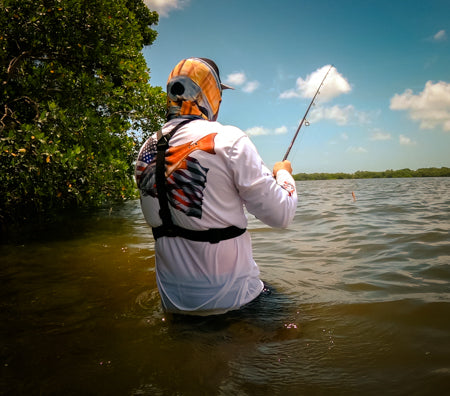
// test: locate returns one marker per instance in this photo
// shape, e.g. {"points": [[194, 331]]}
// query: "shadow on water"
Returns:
{"points": [[202, 355], [69, 224]]}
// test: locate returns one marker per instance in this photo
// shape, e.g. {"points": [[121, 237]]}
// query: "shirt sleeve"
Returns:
{"points": [[273, 201]]}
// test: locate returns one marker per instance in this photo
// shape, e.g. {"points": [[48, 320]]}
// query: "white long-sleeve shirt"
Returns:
{"points": [[215, 171]]}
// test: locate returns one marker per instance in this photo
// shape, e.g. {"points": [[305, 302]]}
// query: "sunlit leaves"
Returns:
{"points": [[74, 101]]}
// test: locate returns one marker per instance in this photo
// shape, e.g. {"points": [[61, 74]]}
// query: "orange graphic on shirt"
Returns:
{"points": [[176, 156]]}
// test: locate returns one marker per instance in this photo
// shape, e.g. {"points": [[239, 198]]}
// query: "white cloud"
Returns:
{"points": [[281, 130], [356, 150], [259, 130], [406, 141], [344, 136], [289, 94], [251, 86], [431, 107], [440, 36], [238, 79], [342, 115], [380, 135], [163, 7], [334, 85]]}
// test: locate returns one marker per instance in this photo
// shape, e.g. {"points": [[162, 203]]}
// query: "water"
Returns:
{"points": [[361, 304]]}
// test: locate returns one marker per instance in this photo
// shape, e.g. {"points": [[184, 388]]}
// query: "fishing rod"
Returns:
{"points": [[304, 117]]}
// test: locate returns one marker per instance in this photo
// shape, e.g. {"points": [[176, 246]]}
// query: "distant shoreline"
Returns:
{"points": [[422, 172]]}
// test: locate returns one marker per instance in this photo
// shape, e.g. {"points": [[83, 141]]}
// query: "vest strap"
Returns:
{"points": [[212, 235], [168, 228]]}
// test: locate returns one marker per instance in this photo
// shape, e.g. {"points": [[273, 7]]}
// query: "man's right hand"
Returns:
{"points": [[286, 165]]}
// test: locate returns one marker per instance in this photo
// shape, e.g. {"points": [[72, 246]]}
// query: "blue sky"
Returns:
{"points": [[384, 105]]}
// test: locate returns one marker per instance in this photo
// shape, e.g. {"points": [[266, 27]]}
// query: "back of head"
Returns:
{"points": [[194, 89]]}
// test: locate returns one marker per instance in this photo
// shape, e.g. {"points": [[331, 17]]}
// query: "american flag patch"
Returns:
{"points": [[187, 177], [146, 158]]}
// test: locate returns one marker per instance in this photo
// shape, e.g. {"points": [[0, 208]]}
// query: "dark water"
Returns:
{"points": [[361, 304]]}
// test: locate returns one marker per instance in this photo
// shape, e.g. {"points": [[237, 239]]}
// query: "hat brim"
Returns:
{"points": [[225, 86]]}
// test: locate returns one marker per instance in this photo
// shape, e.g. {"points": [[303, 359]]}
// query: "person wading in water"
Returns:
{"points": [[195, 176]]}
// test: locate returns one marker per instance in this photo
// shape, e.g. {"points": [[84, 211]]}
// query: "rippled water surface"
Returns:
{"points": [[360, 304]]}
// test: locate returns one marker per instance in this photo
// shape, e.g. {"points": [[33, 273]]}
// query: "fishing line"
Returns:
{"points": [[299, 140], [304, 121]]}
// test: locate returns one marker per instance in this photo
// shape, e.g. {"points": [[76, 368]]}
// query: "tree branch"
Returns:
{"points": [[15, 62]]}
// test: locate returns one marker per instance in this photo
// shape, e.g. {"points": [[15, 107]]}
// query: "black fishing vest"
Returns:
{"points": [[168, 228]]}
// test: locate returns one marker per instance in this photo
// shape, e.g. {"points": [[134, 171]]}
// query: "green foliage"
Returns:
{"points": [[75, 103], [422, 172]]}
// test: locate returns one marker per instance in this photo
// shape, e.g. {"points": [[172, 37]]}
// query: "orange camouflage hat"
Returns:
{"points": [[194, 88]]}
